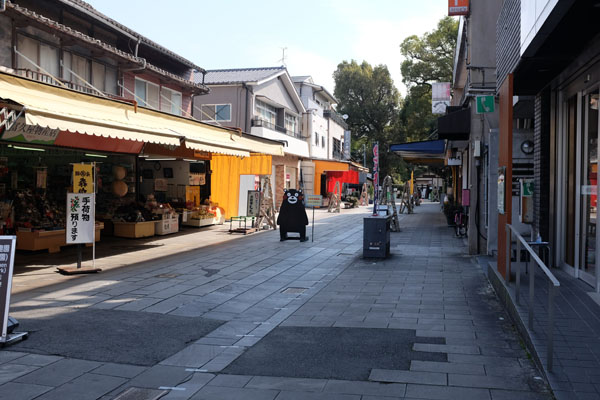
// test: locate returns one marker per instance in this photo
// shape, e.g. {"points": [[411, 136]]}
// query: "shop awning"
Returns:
{"points": [[425, 152], [57, 108], [455, 125]]}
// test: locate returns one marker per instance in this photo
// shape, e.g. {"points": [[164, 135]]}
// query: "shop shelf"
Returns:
{"points": [[48, 240]]}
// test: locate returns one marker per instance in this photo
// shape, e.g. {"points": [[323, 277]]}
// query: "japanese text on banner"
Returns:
{"points": [[83, 178], [80, 218]]}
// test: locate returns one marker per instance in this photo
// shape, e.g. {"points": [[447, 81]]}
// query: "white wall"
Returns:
{"points": [[533, 15], [295, 146]]}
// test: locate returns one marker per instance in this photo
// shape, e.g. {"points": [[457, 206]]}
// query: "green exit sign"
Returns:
{"points": [[485, 104]]}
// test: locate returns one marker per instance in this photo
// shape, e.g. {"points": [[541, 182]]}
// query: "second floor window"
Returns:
{"points": [[323, 141], [337, 148], [147, 93], [316, 139], [170, 101], [216, 112], [291, 123], [266, 112]]}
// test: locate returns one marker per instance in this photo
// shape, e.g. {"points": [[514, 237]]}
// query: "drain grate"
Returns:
{"points": [[167, 276], [294, 290], [137, 393]]}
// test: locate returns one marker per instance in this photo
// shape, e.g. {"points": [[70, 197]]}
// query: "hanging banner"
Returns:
{"points": [[440, 97], [83, 178], [7, 260], [80, 218], [375, 175], [458, 7]]}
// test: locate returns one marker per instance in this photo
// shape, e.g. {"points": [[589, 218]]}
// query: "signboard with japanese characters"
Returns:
{"points": [[7, 260], [83, 178], [80, 218], [440, 97], [23, 133], [253, 208], [458, 7]]}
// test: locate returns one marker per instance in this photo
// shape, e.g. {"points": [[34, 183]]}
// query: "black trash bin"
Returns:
{"points": [[376, 236]]}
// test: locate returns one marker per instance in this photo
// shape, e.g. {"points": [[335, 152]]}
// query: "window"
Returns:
{"points": [[337, 148], [266, 112], [170, 101], [316, 139], [146, 93], [323, 141], [216, 112], [103, 77], [39, 53], [291, 123]]}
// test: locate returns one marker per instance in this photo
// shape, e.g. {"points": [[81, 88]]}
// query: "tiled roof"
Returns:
{"points": [[145, 40], [47, 22], [240, 75]]}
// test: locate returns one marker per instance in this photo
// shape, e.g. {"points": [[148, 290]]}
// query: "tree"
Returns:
{"points": [[368, 96], [429, 58]]}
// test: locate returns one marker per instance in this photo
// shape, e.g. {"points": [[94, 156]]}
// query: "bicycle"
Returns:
{"points": [[460, 223]]}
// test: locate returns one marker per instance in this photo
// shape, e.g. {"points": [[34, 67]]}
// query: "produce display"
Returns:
{"points": [[37, 211]]}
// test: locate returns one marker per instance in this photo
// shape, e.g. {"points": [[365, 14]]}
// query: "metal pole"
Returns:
{"points": [[79, 256], [94, 222], [531, 296], [508, 255], [312, 235], [550, 325], [518, 285]]}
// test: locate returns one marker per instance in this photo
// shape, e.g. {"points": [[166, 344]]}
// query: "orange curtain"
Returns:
{"points": [[225, 178]]}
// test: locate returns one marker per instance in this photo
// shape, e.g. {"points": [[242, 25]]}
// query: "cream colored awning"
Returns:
{"points": [[57, 108]]}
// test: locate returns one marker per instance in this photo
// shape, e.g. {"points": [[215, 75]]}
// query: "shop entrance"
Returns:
{"points": [[579, 240]]}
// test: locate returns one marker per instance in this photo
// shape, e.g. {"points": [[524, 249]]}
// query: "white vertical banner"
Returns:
{"points": [[80, 218], [440, 97]]}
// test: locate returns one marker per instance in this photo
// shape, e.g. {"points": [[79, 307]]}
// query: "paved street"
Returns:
{"points": [[256, 318]]}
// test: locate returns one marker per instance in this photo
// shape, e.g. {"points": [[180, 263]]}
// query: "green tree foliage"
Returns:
{"points": [[368, 96], [428, 59]]}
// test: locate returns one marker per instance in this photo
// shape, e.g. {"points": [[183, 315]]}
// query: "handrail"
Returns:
{"points": [[553, 284]]}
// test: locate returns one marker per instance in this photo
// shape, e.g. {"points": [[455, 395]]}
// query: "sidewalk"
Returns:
{"points": [[256, 318], [576, 370]]}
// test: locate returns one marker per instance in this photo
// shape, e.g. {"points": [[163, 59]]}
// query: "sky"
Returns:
{"points": [[317, 34]]}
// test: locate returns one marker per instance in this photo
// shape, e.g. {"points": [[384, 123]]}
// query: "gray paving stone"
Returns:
{"points": [[193, 356], [513, 395], [289, 395], [445, 348], [490, 382], [446, 392], [85, 387], [190, 387], [433, 366], [59, 372], [235, 381], [365, 388], [226, 393], [22, 391], [160, 375], [39, 360], [7, 356], [478, 359], [399, 376], [120, 370], [293, 384]]}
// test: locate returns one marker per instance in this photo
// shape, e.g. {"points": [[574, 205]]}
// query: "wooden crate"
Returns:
{"points": [[134, 229], [48, 240]]}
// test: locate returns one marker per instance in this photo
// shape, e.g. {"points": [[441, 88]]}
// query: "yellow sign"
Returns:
{"points": [[83, 178], [192, 194]]}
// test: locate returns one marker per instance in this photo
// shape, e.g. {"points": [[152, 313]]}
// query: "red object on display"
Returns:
{"points": [[342, 177]]}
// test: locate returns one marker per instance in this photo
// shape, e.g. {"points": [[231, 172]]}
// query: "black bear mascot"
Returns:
{"points": [[292, 215]]}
